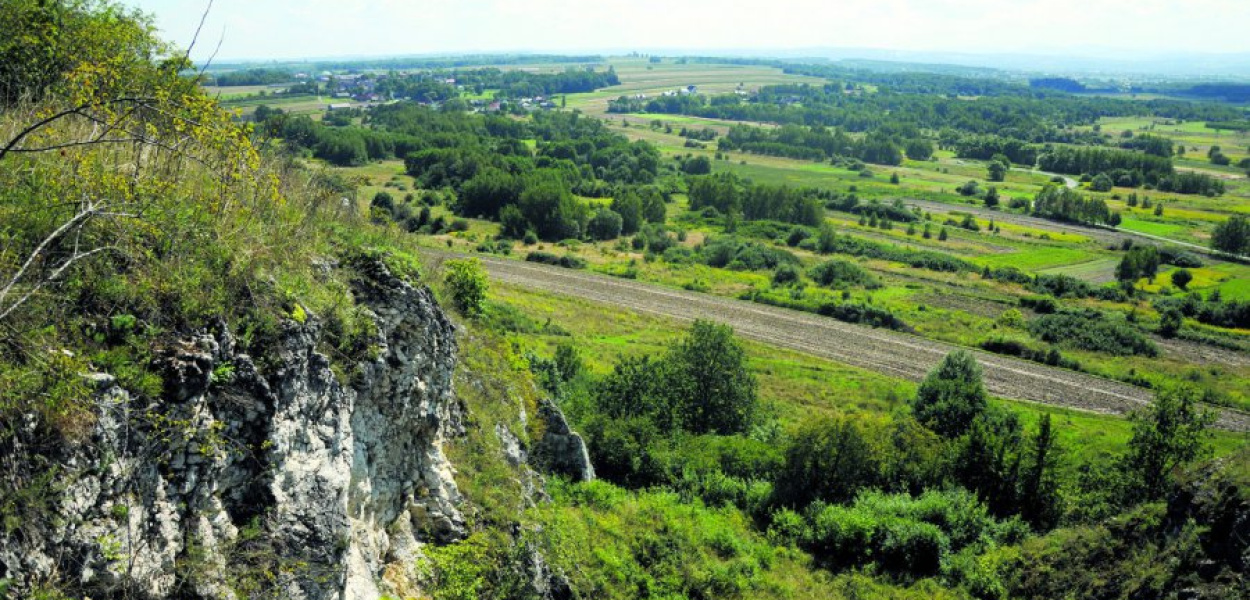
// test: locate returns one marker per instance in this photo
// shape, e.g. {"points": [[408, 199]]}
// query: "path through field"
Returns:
{"points": [[887, 352]]}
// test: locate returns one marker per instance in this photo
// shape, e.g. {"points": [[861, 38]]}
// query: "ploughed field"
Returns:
{"points": [[896, 354]]}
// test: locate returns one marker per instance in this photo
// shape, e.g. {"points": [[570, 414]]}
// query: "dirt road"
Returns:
{"points": [[887, 352]]}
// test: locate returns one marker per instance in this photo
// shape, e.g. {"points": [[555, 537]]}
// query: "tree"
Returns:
{"points": [[1101, 183], [1170, 322], [653, 209], [1139, 262], [829, 460], [707, 379], [699, 165], [605, 225], [467, 283], [919, 149], [1040, 499], [513, 223], [991, 197], [894, 178], [550, 208], [951, 396], [997, 171], [1173, 432], [826, 239], [1181, 278], [629, 206], [1232, 236], [941, 234], [81, 76]]}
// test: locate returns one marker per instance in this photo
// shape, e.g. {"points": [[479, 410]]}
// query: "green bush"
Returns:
{"points": [[840, 273], [1092, 331], [467, 283], [951, 396]]}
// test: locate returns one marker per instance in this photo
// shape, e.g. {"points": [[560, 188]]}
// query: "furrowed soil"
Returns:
{"points": [[887, 352]]}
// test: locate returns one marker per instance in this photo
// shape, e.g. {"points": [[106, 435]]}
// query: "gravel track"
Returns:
{"points": [[888, 352]]}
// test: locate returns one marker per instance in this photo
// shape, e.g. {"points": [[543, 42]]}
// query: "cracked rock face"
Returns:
{"points": [[332, 487], [561, 451]]}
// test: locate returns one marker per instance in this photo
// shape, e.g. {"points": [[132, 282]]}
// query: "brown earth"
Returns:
{"points": [[887, 352]]}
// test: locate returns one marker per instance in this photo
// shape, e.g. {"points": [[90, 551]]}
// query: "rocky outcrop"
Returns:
{"points": [[561, 451], [292, 482]]}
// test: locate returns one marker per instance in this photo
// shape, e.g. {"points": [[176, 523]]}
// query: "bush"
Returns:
{"points": [[1039, 304], [1181, 278], [840, 273], [828, 460], [785, 275], [732, 253], [1091, 331], [567, 261], [952, 396], [604, 225], [467, 283]]}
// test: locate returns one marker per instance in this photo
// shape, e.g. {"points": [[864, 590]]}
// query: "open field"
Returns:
{"points": [[897, 355]]}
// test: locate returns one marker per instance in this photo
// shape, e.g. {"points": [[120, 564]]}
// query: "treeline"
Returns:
{"points": [[248, 77], [524, 84], [439, 62], [1026, 115], [821, 144]]}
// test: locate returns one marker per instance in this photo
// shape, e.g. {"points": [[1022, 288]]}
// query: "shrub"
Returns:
{"points": [[1181, 278], [1091, 331], [467, 283], [1040, 304], [604, 225], [567, 261], [951, 396], [785, 275], [840, 273]]}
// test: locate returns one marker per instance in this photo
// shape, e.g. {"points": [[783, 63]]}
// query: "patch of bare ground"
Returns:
{"points": [[888, 352]]}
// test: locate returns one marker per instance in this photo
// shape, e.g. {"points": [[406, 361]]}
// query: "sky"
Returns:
{"points": [[284, 29]]}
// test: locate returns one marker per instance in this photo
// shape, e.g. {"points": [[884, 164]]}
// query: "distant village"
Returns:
{"points": [[363, 90]]}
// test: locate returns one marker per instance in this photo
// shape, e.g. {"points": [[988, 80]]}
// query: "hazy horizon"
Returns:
{"points": [[287, 30]]}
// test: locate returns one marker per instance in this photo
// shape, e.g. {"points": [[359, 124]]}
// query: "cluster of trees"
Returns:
{"points": [[988, 146], [906, 495], [728, 194], [1139, 262], [1213, 310], [1129, 169], [1064, 204], [487, 164]]}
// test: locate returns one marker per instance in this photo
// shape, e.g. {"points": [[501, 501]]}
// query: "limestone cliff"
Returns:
{"points": [[236, 475]]}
